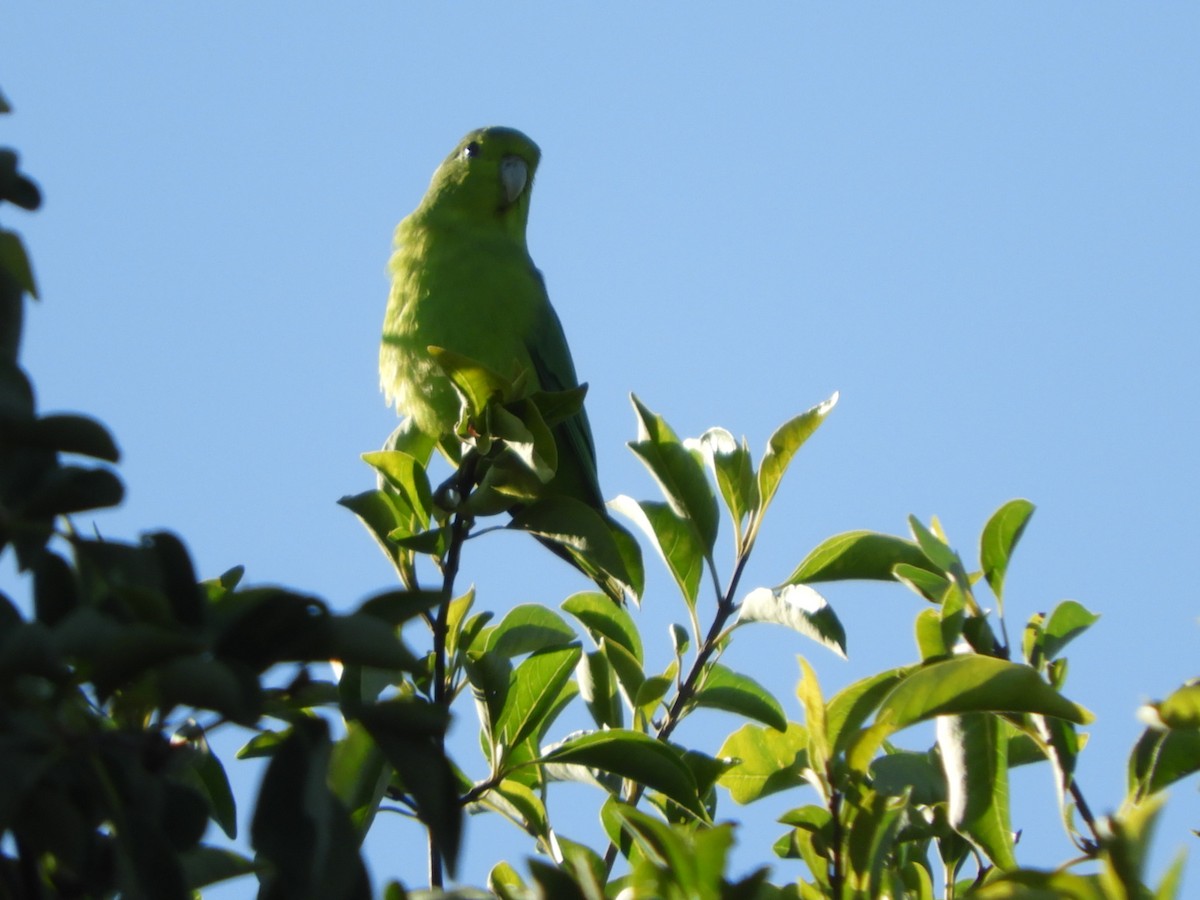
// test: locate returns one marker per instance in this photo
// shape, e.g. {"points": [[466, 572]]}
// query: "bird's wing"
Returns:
{"points": [[555, 371]]}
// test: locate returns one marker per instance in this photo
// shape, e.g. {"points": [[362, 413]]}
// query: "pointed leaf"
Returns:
{"points": [[783, 445], [974, 752], [637, 756], [475, 382], [1000, 536], [736, 693], [1067, 622], [858, 555], [798, 607], [679, 474], [528, 628], [675, 539], [975, 684], [767, 761], [602, 618], [734, 471], [532, 692], [582, 532]]}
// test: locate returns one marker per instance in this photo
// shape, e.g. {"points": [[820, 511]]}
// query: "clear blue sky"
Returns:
{"points": [[979, 222]]}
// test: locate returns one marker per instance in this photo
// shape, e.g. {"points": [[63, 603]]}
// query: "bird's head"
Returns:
{"points": [[489, 175]]}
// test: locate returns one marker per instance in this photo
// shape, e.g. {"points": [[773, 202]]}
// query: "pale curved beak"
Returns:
{"points": [[514, 175]]}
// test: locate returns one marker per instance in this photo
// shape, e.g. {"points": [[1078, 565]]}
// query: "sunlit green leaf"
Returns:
{"points": [[858, 555], [734, 472], [602, 618], [679, 474], [736, 693], [999, 538], [674, 537], [974, 752], [1162, 757], [528, 628], [768, 761], [475, 382], [631, 754], [782, 446], [533, 690], [798, 607], [1067, 622]]}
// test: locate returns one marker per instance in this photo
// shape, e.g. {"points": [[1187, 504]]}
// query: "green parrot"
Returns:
{"points": [[463, 280]]}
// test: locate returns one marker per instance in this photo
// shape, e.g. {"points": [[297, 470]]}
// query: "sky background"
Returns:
{"points": [[978, 222]]}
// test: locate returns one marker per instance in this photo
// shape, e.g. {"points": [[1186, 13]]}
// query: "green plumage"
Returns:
{"points": [[463, 280]]}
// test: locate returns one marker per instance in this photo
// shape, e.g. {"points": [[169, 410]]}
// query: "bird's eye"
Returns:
{"points": [[472, 149]]}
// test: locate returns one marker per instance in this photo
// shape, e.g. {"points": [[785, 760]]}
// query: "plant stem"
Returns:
{"points": [[442, 694], [836, 876], [687, 690]]}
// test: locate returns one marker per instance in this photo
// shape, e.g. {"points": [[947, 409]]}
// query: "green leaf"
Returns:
{"points": [[205, 683], [506, 883], [798, 607], [633, 755], [490, 677], [378, 512], [679, 474], [602, 618], [597, 686], [358, 775], [650, 693], [918, 776], [398, 607], [932, 586], [870, 842], [626, 667], [520, 804], [1127, 845], [533, 690], [365, 640], [935, 549], [1067, 622], [999, 538], [962, 684], [410, 733], [204, 865], [206, 774], [730, 691], [1030, 884], [67, 434], [782, 446], [582, 532], [975, 684], [815, 718], [853, 705], [70, 489], [733, 469], [300, 828], [767, 761], [931, 639], [528, 628], [405, 476], [476, 383], [858, 555], [458, 636], [14, 262], [1160, 758], [974, 751], [675, 539]]}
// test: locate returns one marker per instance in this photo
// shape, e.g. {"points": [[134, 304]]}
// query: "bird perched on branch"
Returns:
{"points": [[463, 281]]}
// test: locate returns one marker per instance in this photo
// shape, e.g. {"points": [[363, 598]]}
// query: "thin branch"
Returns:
{"points": [[442, 693], [687, 690]]}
